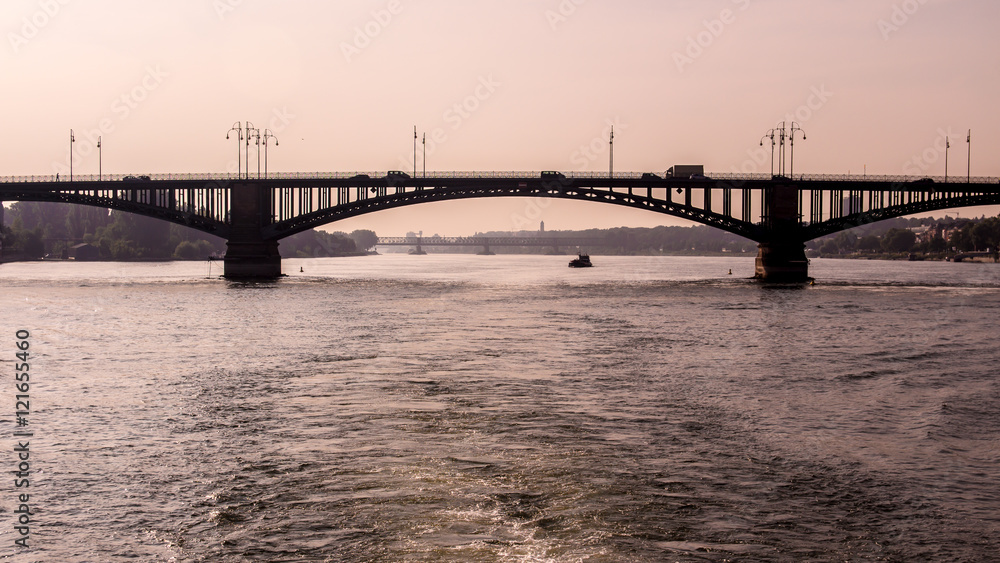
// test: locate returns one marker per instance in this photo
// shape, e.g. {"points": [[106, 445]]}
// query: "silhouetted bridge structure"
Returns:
{"points": [[487, 243], [253, 214]]}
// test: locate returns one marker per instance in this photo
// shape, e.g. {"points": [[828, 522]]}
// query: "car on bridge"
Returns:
{"points": [[131, 178]]}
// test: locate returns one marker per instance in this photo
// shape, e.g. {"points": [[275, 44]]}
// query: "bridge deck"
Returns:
{"points": [[739, 203]]}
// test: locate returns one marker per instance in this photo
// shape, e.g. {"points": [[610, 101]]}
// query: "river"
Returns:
{"points": [[505, 408]]}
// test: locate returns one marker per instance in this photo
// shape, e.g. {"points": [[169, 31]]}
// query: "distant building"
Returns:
{"points": [[851, 205], [541, 227], [84, 252]]}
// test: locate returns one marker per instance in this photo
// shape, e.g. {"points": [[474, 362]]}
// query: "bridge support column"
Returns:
{"points": [[252, 259], [781, 257], [248, 254], [782, 262]]}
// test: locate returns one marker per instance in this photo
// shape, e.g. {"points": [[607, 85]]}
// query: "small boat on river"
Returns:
{"points": [[581, 261]]}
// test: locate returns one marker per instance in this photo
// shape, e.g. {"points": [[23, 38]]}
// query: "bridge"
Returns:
{"points": [[487, 242], [253, 214]]}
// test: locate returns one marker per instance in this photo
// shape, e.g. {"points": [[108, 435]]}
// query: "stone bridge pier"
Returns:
{"points": [[248, 254], [782, 257]]}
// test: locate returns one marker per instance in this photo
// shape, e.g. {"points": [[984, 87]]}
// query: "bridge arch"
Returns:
{"points": [[831, 226], [141, 199], [285, 228]]}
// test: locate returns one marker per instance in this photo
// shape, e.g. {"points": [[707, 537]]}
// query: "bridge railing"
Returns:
{"points": [[471, 174]]}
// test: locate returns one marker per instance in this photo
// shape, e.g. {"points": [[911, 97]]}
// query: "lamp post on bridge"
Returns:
{"points": [[72, 140], [268, 135], [947, 145], [791, 138], [239, 137], [250, 127], [769, 134], [611, 151], [256, 135], [968, 171], [781, 148], [99, 158]]}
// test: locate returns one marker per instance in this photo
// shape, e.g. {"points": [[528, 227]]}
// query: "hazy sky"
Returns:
{"points": [[513, 85]]}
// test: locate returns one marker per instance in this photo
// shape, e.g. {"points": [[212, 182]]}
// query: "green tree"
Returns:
{"points": [[364, 240], [829, 247], [869, 243], [961, 239], [899, 240], [986, 234]]}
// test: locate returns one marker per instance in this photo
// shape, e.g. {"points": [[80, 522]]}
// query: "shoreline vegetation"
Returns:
{"points": [[59, 231]]}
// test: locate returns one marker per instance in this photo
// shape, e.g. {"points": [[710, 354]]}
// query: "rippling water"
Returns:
{"points": [[466, 408]]}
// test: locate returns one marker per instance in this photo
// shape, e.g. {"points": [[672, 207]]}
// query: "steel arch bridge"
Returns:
{"points": [[253, 214]]}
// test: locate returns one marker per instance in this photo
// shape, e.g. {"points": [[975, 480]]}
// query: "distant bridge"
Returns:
{"points": [[490, 242], [253, 214]]}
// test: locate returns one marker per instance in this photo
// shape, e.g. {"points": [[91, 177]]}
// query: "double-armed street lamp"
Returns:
{"points": [[239, 137], [782, 134], [256, 136], [267, 135], [769, 135], [251, 130], [791, 139]]}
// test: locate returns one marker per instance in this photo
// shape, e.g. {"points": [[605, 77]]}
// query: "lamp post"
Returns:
{"points": [[248, 127], [256, 135], [72, 140], [947, 145], [239, 137], [424, 142], [769, 134], [968, 171], [99, 158], [791, 140], [611, 151], [414, 151], [268, 135], [781, 149]]}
